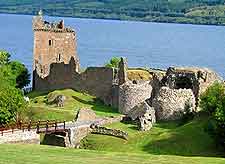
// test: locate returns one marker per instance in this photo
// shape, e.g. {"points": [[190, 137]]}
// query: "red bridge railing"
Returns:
{"points": [[40, 127]]}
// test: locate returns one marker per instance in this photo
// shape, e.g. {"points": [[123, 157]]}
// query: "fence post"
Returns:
{"points": [[46, 126], [38, 126], [20, 124], [55, 125], [29, 126], [64, 125], [2, 132]]}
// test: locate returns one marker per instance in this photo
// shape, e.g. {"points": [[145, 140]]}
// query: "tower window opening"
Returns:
{"points": [[50, 42], [59, 57]]}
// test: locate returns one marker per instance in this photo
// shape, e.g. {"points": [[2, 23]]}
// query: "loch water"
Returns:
{"points": [[145, 44]]}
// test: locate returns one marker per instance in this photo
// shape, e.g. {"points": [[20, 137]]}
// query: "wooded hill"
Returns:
{"points": [[174, 11]]}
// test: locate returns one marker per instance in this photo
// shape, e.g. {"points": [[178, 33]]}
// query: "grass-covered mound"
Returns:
{"points": [[41, 108], [138, 74], [169, 138], [29, 154]]}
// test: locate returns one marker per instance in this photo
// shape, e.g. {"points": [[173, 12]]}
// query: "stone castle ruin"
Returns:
{"points": [[168, 94], [53, 43]]}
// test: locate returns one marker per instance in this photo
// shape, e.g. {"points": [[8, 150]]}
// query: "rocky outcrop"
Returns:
{"points": [[131, 94], [172, 104], [144, 115], [85, 115]]}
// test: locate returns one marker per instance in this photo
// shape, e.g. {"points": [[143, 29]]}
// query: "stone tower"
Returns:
{"points": [[53, 43]]}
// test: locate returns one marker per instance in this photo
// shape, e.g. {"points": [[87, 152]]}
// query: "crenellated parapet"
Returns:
{"points": [[39, 24]]}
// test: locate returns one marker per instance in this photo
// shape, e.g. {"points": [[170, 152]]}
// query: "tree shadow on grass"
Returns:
{"points": [[97, 105], [179, 144]]}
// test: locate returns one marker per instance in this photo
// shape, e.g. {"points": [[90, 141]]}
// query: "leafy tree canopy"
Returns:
{"points": [[12, 103], [213, 101], [21, 74], [113, 63], [13, 72], [4, 57]]}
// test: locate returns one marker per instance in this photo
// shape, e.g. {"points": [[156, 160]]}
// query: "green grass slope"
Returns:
{"points": [[35, 154], [169, 138], [40, 109]]}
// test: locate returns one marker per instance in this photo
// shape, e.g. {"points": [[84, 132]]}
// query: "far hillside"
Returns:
{"points": [[173, 11]]}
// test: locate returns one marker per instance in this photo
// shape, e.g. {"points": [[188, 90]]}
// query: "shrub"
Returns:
{"points": [[213, 101]]}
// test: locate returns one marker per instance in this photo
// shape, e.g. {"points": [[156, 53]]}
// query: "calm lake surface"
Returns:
{"points": [[158, 45]]}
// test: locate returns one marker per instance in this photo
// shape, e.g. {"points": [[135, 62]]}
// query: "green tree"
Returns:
{"points": [[7, 76], [4, 57], [213, 101], [12, 103], [21, 74], [113, 63]]}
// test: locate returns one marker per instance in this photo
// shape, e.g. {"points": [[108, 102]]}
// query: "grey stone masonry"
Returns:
{"points": [[172, 104], [131, 95]]}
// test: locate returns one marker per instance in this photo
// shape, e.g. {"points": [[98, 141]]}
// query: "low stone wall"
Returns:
{"points": [[172, 104], [132, 94], [110, 132], [28, 137], [110, 120]]}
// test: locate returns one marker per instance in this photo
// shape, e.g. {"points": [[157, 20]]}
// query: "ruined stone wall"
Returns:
{"points": [[60, 77], [196, 79], [27, 137], [172, 104], [96, 81], [207, 78], [132, 94]]}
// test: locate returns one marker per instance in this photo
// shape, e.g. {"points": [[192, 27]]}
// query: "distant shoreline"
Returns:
{"points": [[118, 19]]}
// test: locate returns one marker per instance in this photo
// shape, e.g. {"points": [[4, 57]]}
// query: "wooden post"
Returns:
{"points": [[20, 124], [2, 132], [29, 126], [38, 126], [64, 125], [55, 126], [46, 126]]}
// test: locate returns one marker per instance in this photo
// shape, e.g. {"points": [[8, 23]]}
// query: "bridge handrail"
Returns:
{"points": [[31, 126]]}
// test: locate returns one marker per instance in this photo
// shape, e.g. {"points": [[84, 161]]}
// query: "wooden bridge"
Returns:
{"points": [[39, 126]]}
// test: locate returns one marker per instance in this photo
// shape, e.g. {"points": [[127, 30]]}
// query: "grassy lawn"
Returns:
{"points": [[169, 138], [165, 143], [29, 154], [40, 109]]}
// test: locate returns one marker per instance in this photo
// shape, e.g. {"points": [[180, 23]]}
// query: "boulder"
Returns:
{"points": [[60, 100], [172, 104], [85, 115], [144, 115]]}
